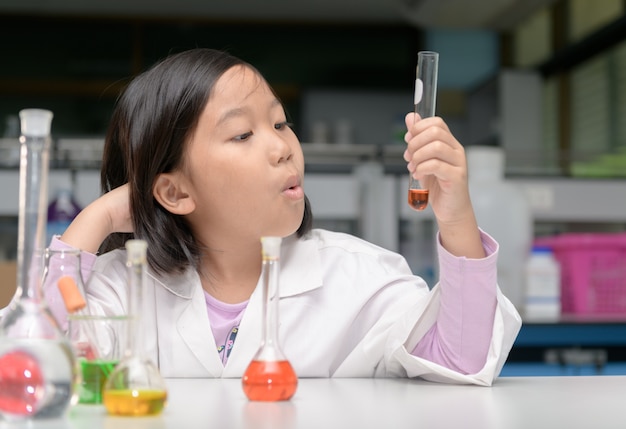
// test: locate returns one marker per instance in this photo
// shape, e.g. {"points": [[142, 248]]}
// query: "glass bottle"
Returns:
{"points": [[270, 376], [37, 367], [425, 100], [135, 387]]}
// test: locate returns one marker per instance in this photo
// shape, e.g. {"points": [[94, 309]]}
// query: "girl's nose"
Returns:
{"points": [[282, 149]]}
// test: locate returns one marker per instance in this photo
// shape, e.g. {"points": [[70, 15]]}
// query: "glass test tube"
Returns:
{"points": [[424, 100]]}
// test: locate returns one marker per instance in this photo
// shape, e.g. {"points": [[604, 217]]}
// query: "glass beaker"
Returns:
{"points": [[108, 333], [270, 376], [135, 388], [425, 101], [37, 366]]}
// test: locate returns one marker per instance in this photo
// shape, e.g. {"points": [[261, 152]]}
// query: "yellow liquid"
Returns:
{"points": [[134, 402]]}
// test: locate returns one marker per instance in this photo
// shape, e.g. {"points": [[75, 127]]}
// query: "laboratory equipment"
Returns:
{"points": [[61, 211], [270, 376], [135, 387], [96, 364], [543, 286], [94, 338], [63, 284], [37, 367], [503, 211], [425, 99]]}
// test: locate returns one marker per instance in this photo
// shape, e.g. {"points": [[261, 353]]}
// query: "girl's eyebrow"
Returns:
{"points": [[239, 111]]}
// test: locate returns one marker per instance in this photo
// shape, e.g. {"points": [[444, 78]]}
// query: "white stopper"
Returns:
{"points": [[271, 247], [35, 122], [136, 250]]}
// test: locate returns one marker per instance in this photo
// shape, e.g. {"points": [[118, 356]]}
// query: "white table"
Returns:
{"points": [[513, 402]]}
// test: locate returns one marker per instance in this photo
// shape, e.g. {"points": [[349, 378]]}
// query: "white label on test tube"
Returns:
{"points": [[419, 89]]}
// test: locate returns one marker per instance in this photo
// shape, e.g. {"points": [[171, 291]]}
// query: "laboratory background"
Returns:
{"points": [[534, 89]]}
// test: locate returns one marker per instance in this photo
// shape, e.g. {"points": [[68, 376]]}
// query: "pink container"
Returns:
{"points": [[593, 272]]}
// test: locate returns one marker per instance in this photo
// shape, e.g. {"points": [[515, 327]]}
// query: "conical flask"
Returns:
{"points": [[270, 376], [135, 387], [37, 367]]}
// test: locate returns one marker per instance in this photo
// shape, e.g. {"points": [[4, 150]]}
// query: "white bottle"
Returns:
{"points": [[543, 286], [502, 211]]}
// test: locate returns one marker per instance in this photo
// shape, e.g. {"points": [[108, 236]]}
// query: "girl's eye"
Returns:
{"points": [[243, 137], [283, 125]]}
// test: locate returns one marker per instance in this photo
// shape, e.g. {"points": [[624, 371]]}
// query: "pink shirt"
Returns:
{"points": [[459, 340]]}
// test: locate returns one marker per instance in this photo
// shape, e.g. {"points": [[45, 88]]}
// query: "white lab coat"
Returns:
{"points": [[347, 309]]}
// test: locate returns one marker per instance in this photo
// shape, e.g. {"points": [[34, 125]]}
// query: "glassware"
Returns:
{"points": [[95, 339], [63, 284], [108, 333], [37, 366], [425, 100], [270, 376], [135, 388]]}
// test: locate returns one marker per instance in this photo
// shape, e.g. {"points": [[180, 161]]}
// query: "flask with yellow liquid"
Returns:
{"points": [[135, 387]]}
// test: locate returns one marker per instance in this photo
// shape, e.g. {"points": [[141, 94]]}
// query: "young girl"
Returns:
{"points": [[201, 162]]}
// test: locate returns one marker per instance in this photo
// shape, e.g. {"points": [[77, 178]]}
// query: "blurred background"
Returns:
{"points": [[542, 80]]}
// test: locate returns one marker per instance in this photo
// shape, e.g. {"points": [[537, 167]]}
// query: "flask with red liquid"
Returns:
{"points": [[37, 366], [270, 376], [425, 100]]}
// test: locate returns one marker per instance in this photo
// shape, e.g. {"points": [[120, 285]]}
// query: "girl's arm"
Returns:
{"points": [[461, 336], [108, 214]]}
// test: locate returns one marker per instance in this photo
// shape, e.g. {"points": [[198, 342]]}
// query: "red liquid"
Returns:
{"points": [[418, 198], [269, 381], [21, 383]]}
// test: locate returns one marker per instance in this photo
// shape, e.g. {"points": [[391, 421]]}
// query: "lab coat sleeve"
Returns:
{"points": [[506, 325], [416, 323]]}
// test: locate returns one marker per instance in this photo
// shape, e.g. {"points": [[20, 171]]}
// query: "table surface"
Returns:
{"points": [[512, 402]]}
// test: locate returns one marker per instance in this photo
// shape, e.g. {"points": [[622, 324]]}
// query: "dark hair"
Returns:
{"points": [[150, 126]]}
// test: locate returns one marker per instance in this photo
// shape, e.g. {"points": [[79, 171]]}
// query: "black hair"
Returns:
{"points": [[153, 120]]}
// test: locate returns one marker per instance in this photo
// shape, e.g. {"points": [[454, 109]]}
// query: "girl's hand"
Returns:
{"points": [[437, 160], [108, 214]]}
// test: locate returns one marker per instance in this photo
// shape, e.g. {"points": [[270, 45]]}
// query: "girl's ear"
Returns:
{"points": [[169, 190]]}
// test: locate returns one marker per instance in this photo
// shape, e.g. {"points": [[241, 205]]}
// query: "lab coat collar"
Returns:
{"points": [[300, 266], [300, 272]]}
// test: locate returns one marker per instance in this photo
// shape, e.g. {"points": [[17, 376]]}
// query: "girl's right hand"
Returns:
{"points": [[108, 214]]}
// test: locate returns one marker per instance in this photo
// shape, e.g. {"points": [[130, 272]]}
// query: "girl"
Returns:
{"points": [[200, 162]]}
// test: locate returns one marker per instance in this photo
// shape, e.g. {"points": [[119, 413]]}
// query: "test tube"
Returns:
{"points": [[425, 99]]}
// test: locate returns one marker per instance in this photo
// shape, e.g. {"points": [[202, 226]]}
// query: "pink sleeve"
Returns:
{"points": [[460, 338], [51, 292]]}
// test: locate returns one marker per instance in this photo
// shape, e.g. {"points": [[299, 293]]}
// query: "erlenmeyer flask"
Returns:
{"points": [[270, 376], [93, 338], [135, 387], [37, 367]]}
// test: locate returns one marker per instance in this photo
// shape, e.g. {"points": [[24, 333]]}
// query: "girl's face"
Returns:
{"points": [[244, 163]]}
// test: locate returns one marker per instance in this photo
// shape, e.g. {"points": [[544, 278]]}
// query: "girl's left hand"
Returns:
{"points": [[437, 159]]}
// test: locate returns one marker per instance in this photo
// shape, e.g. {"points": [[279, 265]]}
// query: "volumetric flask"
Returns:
{"points": [[425, 99], [37, 367], [135, 387], [270, 376]]}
